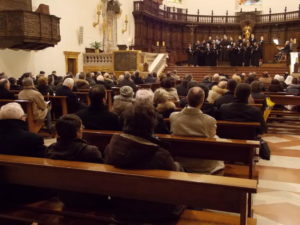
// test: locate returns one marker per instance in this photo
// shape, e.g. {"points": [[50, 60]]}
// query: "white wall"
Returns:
{"points": [[73, 14]]}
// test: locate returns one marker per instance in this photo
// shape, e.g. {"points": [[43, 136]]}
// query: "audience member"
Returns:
{"points": [[81, 82], [240, 111], [228, 97], [137, 79], [14, 136], [72, 101], [150, 79], [168, 84], [275, 86], [40, 107], [294, 87], [4, 90], [136, 148], [265, 79], [162, 103], [182, 89], [257, 88], [127, 82], [43, 87], [97, 116], [217, 91], [191, 121], [70, 145], [146, 96], [124, 100], [13, 84], [215, 80]]}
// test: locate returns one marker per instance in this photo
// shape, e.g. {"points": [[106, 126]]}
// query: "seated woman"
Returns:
{"points": [[275, 86], [163, 104], [136, 148], [294, 87], [168, 84], [124, 100]]}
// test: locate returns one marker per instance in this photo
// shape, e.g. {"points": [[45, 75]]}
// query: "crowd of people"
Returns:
{"points": [[139, 114]]}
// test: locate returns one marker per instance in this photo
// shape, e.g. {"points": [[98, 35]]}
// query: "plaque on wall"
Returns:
{"points": [[125, 60]]}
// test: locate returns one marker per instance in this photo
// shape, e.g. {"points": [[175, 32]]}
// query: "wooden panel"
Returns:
{"points": [[15, 5]]}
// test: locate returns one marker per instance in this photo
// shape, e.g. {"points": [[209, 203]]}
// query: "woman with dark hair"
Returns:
{"points": [[169, 85], [275, 86], [257, 90], [136, 148]]}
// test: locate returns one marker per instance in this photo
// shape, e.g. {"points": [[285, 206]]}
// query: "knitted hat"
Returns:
{"points": [[126, 91]]}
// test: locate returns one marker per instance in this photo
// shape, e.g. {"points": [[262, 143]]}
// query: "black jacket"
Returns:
{"points": [[72, 100], [74, 150], [6, 94], [99, 118], [226, 98], [128, 83], [241, 112], [45, 89], [15, 139]]}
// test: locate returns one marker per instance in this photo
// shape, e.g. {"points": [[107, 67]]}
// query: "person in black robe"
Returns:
{"points": [[190, 55], [248, 52], [255, 57]]}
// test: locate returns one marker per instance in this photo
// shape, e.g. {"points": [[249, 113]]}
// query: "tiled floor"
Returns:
{"points": [[278, 199]]}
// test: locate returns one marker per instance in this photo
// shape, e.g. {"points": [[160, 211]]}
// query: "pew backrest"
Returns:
{"points": [[194, 190]]}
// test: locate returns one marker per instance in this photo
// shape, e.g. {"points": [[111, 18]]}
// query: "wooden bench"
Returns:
{"points": [[33, 126], [230, 150], [285, 99], [83, 97], [193, 190]]}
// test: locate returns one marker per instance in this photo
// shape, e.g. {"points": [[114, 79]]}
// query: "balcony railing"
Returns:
{"points": [[181, 15]]}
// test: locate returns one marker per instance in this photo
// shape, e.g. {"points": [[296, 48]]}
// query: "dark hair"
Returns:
{"points": [[167, 83], [140, 119], [97, 94], [82, 76], [231, 85], [195, 96], [205, 89], [294, 80], [12, 80], [242, 92], [67, 126], [256, 87], [274, 81]]}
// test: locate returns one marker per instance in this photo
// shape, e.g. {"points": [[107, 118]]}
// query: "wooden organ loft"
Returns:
{"points": [[21, 28], [175, 28]]}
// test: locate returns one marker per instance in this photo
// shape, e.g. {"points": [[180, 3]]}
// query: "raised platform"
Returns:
{"points": [[199, 72]]}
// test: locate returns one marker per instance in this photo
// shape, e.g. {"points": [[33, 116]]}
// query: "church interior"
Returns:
{"points": [[149, 112]]}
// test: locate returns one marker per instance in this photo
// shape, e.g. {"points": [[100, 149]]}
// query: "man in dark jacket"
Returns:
{"points": [[240, 111], [72, 101], [15, 139], [228, 97], [97, 116], [128, 82], [4, 90], [70, 145]]}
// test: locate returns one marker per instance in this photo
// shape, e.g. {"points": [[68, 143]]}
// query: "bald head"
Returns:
{"points": [[196, 97]]}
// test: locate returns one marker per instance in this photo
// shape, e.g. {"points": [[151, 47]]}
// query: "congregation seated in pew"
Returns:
{"points": [[15, 139], [5, 90], [240, 111], [123, 100], [96, 116], [191, 121]]}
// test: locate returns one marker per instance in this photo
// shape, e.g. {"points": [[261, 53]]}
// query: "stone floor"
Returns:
{"points": [[278, 199]]}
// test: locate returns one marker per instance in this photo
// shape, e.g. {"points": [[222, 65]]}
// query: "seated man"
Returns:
{"points": [[72, 101], [69, 145], [136, 148], [40, 107], [4, 90], [240, 111], [191, 121], [14, 137], [97, 116]]}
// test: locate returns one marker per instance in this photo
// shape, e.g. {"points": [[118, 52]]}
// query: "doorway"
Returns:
{"points": [[72, 62]]}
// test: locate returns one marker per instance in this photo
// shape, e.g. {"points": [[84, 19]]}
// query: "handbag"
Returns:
{"points": [[264, 150]]}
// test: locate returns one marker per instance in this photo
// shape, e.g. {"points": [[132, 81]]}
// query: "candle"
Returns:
{"points": [[157, 43], [163, 44]]}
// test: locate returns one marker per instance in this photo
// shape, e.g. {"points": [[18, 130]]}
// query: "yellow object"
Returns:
{"points": [[269, 108]]}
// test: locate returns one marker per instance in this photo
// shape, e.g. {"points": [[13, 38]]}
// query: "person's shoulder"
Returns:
{"points": [[174, 115], [209, 119]]}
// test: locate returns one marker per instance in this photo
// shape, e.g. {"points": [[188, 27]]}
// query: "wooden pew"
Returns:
{"points": [[230, 150], [83, 97], [33, 126], [285, 99], [194, 190]]}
